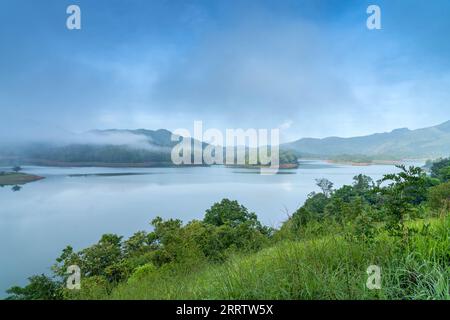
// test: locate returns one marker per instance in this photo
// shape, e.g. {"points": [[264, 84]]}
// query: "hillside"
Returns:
{"points": [[325, 267], [146, 148], [114, 147], [324, 250], [432, 142]]}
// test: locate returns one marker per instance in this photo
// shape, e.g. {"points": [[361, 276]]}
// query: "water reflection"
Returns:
{"points": [[16, 188]]}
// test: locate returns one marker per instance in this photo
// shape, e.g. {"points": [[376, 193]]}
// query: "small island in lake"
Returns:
{"points": [[17, 178]]}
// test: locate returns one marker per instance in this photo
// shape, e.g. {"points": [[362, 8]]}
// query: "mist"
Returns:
{"points": [[312, 70]]}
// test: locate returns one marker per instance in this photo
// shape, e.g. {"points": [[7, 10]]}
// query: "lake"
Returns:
{"points": [[75, 206]]}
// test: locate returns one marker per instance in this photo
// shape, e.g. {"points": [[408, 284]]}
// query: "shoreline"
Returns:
{"points": [[371, 162], [14, 179]]}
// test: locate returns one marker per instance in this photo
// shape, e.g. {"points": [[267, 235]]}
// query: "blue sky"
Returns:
{"points": [[309, 67]]}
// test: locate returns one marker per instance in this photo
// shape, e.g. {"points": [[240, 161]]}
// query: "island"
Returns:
{"points": [[17, 178]]}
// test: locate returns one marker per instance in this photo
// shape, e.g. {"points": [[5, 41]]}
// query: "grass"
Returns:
{"points": [[330, 267]]}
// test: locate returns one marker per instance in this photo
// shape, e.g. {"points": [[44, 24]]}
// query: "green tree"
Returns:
{"points": [[363, 183], [230, 212], [137, 244], [40, 287], [96, 260], [400, 197], [440, 169], [326, 186]]}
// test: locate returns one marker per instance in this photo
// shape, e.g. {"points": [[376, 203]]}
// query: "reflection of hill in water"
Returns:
{"points": [[119, 174]]}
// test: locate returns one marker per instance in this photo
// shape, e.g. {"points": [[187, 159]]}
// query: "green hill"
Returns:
{"points": [[432, 142], [142, 147]]}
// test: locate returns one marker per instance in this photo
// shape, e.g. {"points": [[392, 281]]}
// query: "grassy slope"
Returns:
{"points": [[325, 268]]}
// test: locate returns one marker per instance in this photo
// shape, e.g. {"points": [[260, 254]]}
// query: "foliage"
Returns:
{"points": [[326, 186], [439, 197], [320, 252], [440, 169], [227, 228], [40, 287], [288, 157], [400, 197], [229, 212], [325, 267]]}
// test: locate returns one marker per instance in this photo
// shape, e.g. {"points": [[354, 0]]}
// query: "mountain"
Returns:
{"points": [[97, 148], [431, 142], [148, 148]]}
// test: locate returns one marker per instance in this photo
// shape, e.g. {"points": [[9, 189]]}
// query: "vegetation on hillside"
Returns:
{"points": [[400, 223]]}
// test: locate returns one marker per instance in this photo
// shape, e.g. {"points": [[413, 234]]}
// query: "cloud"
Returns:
{"points": [[256, 72], [313, 68], [286, 125]]}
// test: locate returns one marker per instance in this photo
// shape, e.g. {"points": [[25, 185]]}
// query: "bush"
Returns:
{"points": [[92, 288], [439, 197], [141, 273], [440, 169]]}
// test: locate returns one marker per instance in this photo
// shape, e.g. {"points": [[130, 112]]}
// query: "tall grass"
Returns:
{"points": [[329, 267]]}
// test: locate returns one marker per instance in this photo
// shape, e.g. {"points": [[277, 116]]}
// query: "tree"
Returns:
{"points": [[40, 287], [404, 191], [230, 212], [363, 183], [326, 186], [17, 168], [137, 244], [440, 169], [97, 260]]}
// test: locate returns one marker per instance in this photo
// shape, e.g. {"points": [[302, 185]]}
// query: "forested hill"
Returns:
{"points": [[113, 147], [143, 147], [431, 142]]}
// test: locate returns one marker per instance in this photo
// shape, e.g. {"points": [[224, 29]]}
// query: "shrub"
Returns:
{"points": [[439, 197], [141, 273]]}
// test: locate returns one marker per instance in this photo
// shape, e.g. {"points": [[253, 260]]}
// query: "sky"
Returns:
{"points": [[311, 68]]}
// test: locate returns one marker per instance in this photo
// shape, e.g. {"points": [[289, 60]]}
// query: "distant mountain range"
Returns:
{"points": [[402, 143], [142, 147]]}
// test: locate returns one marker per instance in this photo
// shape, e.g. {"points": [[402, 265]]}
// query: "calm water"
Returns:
{"points": [[38, 221]]}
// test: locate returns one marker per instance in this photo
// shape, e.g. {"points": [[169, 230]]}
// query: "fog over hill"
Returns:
{"points": [[428, 142], [153, 147]]}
